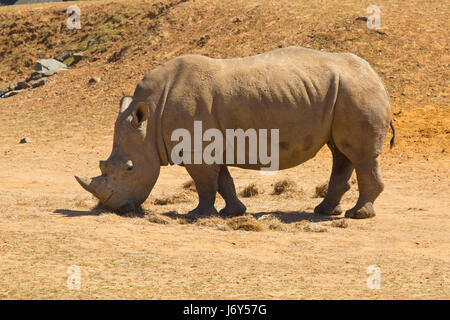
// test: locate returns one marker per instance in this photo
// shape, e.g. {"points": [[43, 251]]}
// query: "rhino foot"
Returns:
{"points": [[203, 212], [234, 210], [325, 209], [364, 212]]}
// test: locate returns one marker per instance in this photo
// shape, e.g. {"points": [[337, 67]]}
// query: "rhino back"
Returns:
{"points": [[290, 89]]}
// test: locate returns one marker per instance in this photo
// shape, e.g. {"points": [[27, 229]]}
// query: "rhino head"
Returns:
{"points": [[132, 169]]}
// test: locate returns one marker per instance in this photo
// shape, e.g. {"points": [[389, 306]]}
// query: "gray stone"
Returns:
{"points": [[3, 91], [94, 80], [34, 76], [38, 82], [25, 140], [10, 94], [49, 66], [22, 85]]}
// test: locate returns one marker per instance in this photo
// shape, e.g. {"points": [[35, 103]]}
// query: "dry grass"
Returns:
{"points": [[173, 199], [273, 223], [246, 223], [313, 227], [341, 223], [321, 190], [214, 222], [249, 191], [286, 187], [190, 185], [158, 218]]}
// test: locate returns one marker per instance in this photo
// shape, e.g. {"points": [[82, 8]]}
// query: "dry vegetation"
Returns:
{"points": [[249, 191], [321, 190], [280, 249]]}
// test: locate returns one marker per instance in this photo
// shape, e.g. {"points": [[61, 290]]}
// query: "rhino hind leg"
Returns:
{"points": [[206, 182], [370, 186], [338, 185], [233, 206]]}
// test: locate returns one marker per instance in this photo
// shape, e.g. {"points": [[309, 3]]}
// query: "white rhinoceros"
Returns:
{"points": [[313, 98]]}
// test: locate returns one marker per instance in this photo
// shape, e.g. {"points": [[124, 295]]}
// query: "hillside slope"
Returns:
{"points": [[410, 52]]}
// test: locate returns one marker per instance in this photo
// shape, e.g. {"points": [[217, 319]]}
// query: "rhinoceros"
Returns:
{"points": [[313, 98]]}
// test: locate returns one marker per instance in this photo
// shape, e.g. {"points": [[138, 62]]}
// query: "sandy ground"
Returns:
{"points": [[47, 222], [46, 225]]}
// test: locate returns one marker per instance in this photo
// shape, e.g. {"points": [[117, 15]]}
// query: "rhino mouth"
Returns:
{"points": [[107, 199]]}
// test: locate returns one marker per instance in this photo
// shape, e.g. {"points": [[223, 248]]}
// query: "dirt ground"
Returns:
{"points": [[48, 222]]}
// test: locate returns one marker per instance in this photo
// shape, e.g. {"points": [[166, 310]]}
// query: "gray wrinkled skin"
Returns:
{"points": [[314, 98], [131, 171]]}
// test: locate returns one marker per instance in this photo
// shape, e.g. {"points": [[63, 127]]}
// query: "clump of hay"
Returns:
{"points": [[283, 187], [163, 201], [321, 190], [247, 223], [312, 227], [249, 191], [272, 222], [214, 222], [298, 226], [341, 223], [189, 185], [157, 218], [175, 198]]}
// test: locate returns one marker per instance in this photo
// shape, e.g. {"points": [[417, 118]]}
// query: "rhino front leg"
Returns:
{"points": [[206, 182], [233, 206], [340, 174]]}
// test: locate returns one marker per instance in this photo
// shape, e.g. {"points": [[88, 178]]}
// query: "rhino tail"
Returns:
{"points": [[393, 134]]}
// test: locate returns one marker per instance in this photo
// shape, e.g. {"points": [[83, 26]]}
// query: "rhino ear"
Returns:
{"points": [[140, 114], [124, 103]]}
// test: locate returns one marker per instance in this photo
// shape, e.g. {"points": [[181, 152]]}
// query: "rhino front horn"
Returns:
{"points": [[85, 183], [97, 186]]}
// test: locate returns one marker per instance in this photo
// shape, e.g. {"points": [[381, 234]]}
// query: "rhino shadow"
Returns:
{"points": [[285, 217], [98, 210], [78, 213]]}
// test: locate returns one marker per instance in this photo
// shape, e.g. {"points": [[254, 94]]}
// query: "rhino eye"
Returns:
{"points": [[129, 165]]}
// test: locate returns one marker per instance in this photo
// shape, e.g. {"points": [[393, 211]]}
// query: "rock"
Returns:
{"points": [[34, 76], [39, 82], [361, 19], [10, 94], [25, 140], [77, 58], [69, 58], [49, 66], [64, 55], [3, 91], [94, 80], [22, 85]]}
